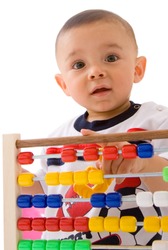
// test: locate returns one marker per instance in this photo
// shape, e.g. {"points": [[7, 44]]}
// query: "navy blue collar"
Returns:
{"points": [[81, 121]]}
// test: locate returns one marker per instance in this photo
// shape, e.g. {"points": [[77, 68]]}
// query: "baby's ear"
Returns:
{"points": [[139, 69], [59, 79]]}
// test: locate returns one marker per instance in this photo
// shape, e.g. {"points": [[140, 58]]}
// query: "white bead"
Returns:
{"points": [[160, 245], [160, 198], [144, 199]]}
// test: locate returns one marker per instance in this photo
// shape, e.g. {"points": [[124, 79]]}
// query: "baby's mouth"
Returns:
{"points": [[100, 90]]}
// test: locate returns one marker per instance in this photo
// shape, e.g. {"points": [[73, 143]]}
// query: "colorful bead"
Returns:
{"points": [[67, 224], [54, 200], [66, 178], [81, 177], [145, 150], [52, 224], [165, 174], [128, 224], [39, 200], [26, 180], [81, 224], [96, 177], [112, 224], [38, 224], [24, 158], [67, 245], [152, 224], [39, 245], [96, 224], [83, 245], [98, 200], [52, 178], [68, 155], [53, 150], [114, 199], [144, 199], [25, 245], [24, 224], [24, 201], [129, 151], [164, 224], [54, 161], [160, 198], [91, 154], [110, 153], [53, 245]]}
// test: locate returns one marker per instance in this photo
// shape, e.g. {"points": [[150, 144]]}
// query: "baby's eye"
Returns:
{"points": [[78, 65], [111, 58]]}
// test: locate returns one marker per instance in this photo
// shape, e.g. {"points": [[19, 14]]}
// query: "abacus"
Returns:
{"points": [[12, 176]]}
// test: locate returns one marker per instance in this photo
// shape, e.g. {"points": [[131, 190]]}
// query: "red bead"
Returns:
{"points": [[71, 146], [24, 224], [68, 155], [129, 151], [38, 224], [53, 150], [52, 224], [136, 130], [110, 153], [67, 224], [81, 224], [25, 158], [91, 153]]}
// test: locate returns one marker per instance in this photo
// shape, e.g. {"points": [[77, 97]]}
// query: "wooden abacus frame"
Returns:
{"points": [[11, 169]]}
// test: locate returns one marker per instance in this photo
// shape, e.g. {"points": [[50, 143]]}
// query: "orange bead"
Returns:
{"points": [[66, 178], [52, 178], [96, 177], [26, 180], [81, 177]]}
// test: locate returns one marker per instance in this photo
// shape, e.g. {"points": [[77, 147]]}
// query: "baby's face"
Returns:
{"points": [[97, 64]]}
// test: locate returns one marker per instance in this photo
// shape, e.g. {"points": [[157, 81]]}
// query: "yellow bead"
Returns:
{"points": [[52, 178], [26, 180], [152, 224], [96, 177], [66, 178], [164, 224], [81, 177], [96, 224], [128, 224], [111, 224]]}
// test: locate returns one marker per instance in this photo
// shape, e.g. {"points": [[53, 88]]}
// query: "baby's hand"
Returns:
{"points": [[120, 165]]}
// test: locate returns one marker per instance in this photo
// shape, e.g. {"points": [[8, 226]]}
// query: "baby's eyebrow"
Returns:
{"points": [[72, 53], [113, 45]]}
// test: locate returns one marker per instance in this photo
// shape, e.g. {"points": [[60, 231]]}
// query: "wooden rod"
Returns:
{"points": [[11, 170], [97, 138]]}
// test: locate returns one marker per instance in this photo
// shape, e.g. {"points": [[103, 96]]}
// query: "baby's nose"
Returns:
{"points": [[96, 73], [95, 76]]}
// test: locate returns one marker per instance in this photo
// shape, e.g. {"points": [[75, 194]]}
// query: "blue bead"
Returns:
{"points": [[39, 200], [54, 200], [114, 199], [145, 150], [24, 201], [55, 162], [98, 200]]}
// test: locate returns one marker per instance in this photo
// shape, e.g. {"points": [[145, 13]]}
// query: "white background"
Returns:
{"points": [[30, 101]]}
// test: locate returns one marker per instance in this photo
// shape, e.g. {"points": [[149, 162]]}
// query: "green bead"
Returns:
{"points": [[25, 245], [165, 174], [83, 245], [39, 245], [53, 245], [67, 245]]}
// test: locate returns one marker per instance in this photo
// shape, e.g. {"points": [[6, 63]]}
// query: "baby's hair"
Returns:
{"points": [[94, 15]]}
